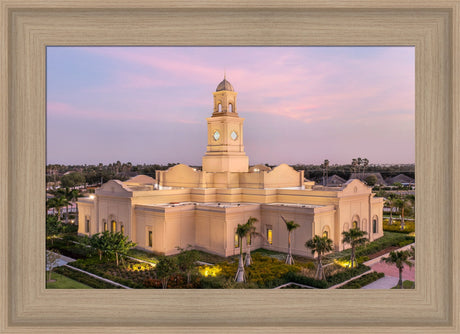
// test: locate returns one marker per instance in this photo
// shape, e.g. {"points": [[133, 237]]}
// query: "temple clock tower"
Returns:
{"points": [[225, 150]]}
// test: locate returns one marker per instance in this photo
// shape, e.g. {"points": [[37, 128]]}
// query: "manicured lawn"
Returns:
{"points": [[63, 282]]}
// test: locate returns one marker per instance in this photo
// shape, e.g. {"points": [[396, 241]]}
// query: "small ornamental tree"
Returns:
{"points": [[119, 245], [52, 258], [186, 261], [165, 268], [355, 237], [320, 245]]}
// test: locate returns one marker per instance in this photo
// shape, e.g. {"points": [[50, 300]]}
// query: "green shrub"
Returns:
{"points": [[346, 274], [298, 278], [362, 281]]}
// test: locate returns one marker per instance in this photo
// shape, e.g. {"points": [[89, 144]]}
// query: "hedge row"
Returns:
{"points": [[85, 279], [363, 281]]}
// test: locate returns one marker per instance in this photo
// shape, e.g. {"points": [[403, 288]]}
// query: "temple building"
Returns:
{"points": [[184, 206]]}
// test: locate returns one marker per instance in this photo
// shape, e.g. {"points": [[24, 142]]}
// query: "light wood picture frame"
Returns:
{"points": [[28, 26]]}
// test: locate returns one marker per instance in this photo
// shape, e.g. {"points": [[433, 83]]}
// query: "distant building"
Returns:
{"points": [[335, 181], [184, 206], [401, 178], [362, 177]]}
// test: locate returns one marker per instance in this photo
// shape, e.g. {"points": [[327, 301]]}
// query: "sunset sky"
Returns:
{"points": [[300, 104]]}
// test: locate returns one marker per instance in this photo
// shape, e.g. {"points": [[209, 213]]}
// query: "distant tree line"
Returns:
{"points": [[95, 174]]}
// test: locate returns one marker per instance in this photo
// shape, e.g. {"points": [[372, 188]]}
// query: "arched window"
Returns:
{"points": [[122, 229], [375, 227], [355, 224], [87, 224], [326, 234], [230, 107], [219, 107], [105, 225], [114, 226], [236, 241]]}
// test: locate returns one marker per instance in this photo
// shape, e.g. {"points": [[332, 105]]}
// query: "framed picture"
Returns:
{"points": [[28, 27]]}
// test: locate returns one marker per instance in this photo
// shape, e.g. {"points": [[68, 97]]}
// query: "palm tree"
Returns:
{"points": [[241, 231], [58, 203], [249, 236], [401, 204], [354, 237], [325, 167], [320, 245], [354, 164], [399, 258], [365, 162], [390, 202], [291, 226]]}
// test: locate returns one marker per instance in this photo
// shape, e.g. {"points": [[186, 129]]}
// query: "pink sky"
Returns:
{"points": [[301, 104]]}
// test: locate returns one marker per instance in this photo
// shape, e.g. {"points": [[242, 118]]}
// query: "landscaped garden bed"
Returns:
{"points": [[83, 278], [363, 281], [129, 273], [388, 241]]}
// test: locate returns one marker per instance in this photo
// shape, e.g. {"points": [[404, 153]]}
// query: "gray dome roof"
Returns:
{"points": [[224, 85]]}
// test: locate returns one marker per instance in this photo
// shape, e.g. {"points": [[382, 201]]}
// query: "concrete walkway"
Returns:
{"points": [[386, 282]]}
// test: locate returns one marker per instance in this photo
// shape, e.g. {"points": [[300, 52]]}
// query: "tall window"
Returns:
{"points": [[114, 226], [87, 225], [326, 234], [105, 226], [269, 235], [374, 225], [122, 229], [249, 239], [219, 107], [150, 239], [236, 241], [355, 224], [230, 107]]}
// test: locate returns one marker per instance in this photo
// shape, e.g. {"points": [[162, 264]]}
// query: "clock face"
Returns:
{"points": [[216, 135], [234, 135]]}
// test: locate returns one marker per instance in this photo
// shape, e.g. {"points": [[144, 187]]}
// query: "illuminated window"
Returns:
{"points": [[150, 239], [249, 240], [122, 229], [105, 226], [114, 226], [326, 234], [236, 241], [87, 224], [374, 225], [355, 224], [269, 235]]}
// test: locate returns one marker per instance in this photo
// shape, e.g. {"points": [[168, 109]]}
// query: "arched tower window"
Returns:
{"points": [[114, 226], [219, 107], [230, 107]]}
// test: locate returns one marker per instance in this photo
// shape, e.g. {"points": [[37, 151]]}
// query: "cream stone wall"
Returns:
{"points": [[271, 216], [240, 215], [210, 230], [283, 176], [150, 218], [86, 209]]}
